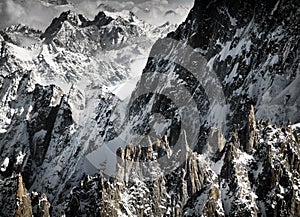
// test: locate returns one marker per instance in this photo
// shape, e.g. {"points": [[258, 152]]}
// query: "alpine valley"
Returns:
{"points": [[113, 116]]}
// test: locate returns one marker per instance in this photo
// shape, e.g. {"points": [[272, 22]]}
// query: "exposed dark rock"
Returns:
{"points": [[70, 30], [17, 201], [250, 181], [247, 168]]}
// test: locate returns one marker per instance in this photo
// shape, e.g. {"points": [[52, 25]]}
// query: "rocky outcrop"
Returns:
{"points": [[55, 105], [24, 202], [229, 36], [55, 112], [8, 199], [250, 131], [21, 35], [78, 33], [237, 181], [17, 201], [40, 204]]}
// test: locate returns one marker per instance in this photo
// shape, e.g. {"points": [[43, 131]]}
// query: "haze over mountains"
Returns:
{"points": [[110, 115], [39, 13]]}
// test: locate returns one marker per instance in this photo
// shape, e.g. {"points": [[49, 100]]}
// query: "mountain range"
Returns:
{"points": [[113, 116]]}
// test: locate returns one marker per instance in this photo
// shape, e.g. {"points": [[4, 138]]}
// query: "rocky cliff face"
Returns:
{"points": [[187, 142], [230, 36], [241, 180], [253, 48], [17, 201], [54, 85]]}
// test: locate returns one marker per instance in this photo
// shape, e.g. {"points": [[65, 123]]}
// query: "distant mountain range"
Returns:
{"points": [[113, 116]]}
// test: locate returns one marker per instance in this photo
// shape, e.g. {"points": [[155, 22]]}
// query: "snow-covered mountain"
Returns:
{"points": [[210, 128], [39, 13], [238, 181], [155, 12], [56, 93], [239, 62]]}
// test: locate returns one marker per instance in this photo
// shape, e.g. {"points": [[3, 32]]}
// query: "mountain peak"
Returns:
{"points": [[197, 135]]}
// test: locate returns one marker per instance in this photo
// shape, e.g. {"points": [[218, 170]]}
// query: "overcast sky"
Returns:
{"points": [[39, 15]]}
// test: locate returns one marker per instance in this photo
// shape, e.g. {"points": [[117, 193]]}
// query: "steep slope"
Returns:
{"points": [[228, 61], [55, 98], [254, 49], [239, 181], [229, 37], [197, 147]]}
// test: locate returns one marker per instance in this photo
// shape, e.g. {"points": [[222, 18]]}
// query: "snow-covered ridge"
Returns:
{"points": [[55, 95], [58, 112], [236, 180]]}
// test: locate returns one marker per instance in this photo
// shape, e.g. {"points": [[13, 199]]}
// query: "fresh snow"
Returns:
{"points": [[4, 164], [21, 53], [243, 44], [20, 158], [275, 7], [3, 131], [233, 21], [296, 126], [230, 78], [125, 88]]}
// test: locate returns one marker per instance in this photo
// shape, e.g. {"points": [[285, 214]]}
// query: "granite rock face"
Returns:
{"points": [[253, 48], [217, 133], [231, 36], [17, 201], [55, 100], [261, 180]]}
